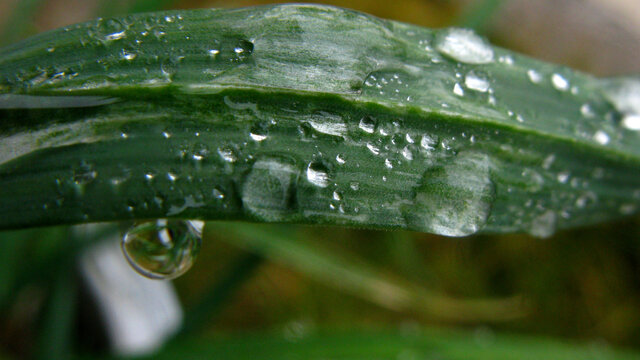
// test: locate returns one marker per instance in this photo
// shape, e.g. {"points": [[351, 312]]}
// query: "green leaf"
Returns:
{"points": [[308, 114]]}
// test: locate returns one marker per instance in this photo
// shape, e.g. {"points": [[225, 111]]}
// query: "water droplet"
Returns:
{"points": [[428, 142], [267, 191], [534, 76], [163, 249], [258, 133], [464, 45], [631, 122], [84, 174], [563, 177], [406, 153], [544, 225], [318, 174], [115, 36], [559, 82], [587, 111], [457, 89], [375, 150], [243, 50], [454, 199], [367, 124], [506, 59], [355, 186], [227, 154], [217, 193], [476, 82], [337, 196], [388, 164], [340, 159], [601, 137]]}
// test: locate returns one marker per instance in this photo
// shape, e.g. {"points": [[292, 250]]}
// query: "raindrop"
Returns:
{"points": [[318, 174], [367, 125], [84, 174], [163, 248], [406, 153], [559, 82], [388, 164], [227, 154], [457, 89], [258, 133], [544, 225], [337, 196], [475, 82], [340, 159], [464, 45], [243, 50], [601, 137], [428, 142], [631, 122], [375, 150], [534, 76]]}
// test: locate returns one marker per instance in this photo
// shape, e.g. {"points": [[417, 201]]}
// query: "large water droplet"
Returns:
{"points": [[267, 191], [464, 45], [163, 248], [454, 199]]}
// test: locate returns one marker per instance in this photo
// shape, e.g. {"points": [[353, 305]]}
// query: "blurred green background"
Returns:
{"points": [[578, 286]]}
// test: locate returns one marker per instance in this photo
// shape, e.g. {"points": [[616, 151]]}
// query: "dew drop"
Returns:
{"points": [[375, 150], [406, 153], [267, 191], [457, 89], [318, 174], [544, 225], [464, 45], [258, 133], [631, 122], [163, 248], [563, 177], [428, 142], [367, 125], [227, 154], [340, 159], [84, 174], [534, 76], [475, 82], [587, 111], [601, 137], [559, 82]]}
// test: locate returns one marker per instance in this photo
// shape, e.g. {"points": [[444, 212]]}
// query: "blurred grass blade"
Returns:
{"points": [[19, 21], [308, 114], [477, 15], [215, 298], [429, 344], [354, 276]]}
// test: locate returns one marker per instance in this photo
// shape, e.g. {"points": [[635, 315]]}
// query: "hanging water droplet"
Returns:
{"points": [[267, 191], [163, 248], [318, 174], [560, 82], [464, 45], [454, 199]]}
